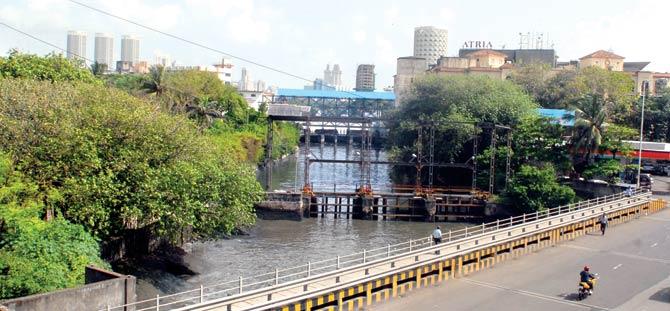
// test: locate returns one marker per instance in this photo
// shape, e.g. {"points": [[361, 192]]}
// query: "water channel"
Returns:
{"points": [[280, 243]]}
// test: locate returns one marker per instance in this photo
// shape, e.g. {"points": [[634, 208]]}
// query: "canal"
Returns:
{"points": [[282, 243]]}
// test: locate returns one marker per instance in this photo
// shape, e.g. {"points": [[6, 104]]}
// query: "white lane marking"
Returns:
{"points": [[654, 245], [532, 294], [617, 266], [595, 250]]}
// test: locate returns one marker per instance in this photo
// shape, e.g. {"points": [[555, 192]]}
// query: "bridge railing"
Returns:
{"points": [[330, 265]]}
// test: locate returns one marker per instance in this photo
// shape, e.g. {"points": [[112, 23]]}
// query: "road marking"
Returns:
{"points": [[654, 245], [535, 295], [595, 250], [617, 266]]}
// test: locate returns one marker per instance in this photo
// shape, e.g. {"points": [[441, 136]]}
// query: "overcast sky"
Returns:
{"points": [[301, 37]]}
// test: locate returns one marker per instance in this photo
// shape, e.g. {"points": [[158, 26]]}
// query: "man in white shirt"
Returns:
{"points": [[437, 235]]}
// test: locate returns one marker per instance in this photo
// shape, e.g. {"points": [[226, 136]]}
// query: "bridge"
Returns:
{"points": [[356, 280]]}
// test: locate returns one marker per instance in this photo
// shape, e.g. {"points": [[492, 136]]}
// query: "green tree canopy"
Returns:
{"points": [[447, 100], [118, 163], [535, 188], [52, 67], [35, 255], [203, 95]]}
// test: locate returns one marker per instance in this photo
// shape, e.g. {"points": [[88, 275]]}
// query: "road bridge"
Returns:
{"points": [[356, 280]]}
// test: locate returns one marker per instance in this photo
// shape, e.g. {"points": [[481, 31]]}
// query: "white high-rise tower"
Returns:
{"points": [[130, 49], [430, 43], [76, 45], [104, 49]]}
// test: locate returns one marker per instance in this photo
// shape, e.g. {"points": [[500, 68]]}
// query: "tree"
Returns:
{"points": [[204, 97], [613, 139], [535, 189], [559, 90], [98, 69], [35, 255], [118, 163], [447, 100], [154, 83], [533, 78], [592, 114], [52, 67], [613, 87]]}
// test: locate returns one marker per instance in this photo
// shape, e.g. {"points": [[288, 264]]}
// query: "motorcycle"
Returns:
{"points": [[584, 288]]}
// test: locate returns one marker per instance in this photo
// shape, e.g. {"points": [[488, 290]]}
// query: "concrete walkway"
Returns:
{"points": [[633, 260]]}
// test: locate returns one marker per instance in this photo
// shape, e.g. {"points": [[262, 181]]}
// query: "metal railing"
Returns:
{"points": [[243, 285]]}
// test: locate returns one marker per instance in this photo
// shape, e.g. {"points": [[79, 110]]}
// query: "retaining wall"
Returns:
{"points": [[103, 288]]}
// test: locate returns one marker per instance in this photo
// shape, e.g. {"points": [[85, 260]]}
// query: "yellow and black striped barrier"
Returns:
{"points": [[359, 296]]}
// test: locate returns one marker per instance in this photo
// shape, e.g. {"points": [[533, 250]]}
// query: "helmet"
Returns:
{"points": [[586, 268]]}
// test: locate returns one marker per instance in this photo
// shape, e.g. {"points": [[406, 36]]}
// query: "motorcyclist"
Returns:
{"points": [[587, 277]]}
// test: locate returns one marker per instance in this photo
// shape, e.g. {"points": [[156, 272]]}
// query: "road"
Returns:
{"points": [[632, 259]]}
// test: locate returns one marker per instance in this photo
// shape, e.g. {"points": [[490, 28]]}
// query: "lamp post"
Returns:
{"points": [[645, 86]]}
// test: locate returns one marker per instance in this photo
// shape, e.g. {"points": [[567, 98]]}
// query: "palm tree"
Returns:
{"points": [[98, 69], [155, 85], [592, 113]]}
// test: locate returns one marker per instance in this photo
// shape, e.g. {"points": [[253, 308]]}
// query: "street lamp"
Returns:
{"points": [[645, 86]]}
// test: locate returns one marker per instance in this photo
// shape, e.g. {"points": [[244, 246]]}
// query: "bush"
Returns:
{"points": [[35, 255], [119, 163], [535, 188]]}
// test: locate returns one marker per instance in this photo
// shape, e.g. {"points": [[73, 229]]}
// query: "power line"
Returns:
{"points": [[45, 42], [190, 41], [75, 54]]}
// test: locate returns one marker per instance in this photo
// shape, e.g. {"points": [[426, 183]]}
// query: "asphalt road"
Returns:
{"points": [[632, 259]]}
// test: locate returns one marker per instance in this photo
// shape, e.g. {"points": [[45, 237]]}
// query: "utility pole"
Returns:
{"points": [[645, 86]]}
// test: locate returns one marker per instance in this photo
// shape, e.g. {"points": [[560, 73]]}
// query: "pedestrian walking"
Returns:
{"points": [[603, 223], [437, 235]]}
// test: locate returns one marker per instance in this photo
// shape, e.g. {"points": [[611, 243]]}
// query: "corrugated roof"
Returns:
{"points": [[336, 94], [602, 54]]}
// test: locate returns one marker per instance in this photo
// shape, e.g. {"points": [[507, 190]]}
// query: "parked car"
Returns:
{"points": [[645, 180], [662, 170]]}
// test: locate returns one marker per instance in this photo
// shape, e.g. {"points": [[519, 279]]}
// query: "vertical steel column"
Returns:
{"points": [[431, 156], [268, 155], [508, 168], [492, 169], [419, 150], [307, 153], [474, 159]]}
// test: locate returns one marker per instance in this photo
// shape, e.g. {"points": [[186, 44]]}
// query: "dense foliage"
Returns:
{"points": [[453, 104], [534, 188], [36, 255], [53, 67], [118, 163]]}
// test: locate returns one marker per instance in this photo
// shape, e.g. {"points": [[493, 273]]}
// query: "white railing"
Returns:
{"points": [[311, 269]]}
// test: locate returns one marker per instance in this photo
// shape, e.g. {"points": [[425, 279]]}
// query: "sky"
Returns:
{"points": [[302, 37]]}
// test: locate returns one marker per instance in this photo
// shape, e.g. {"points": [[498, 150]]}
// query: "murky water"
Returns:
{"points": [[288, 174], [272, 244]]}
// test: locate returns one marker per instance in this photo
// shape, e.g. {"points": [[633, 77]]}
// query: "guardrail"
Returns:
{"points": [[234, 289]]}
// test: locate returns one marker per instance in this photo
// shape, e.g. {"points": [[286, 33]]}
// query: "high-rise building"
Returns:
{"points": [[246, 83], [130, 49], [260, 86], [104, 50], [365, 78], [327, 76], [76, 45], [224, 71], [337, 76], [430, 43], [162, 60]]}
